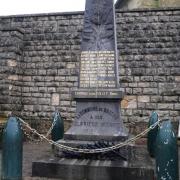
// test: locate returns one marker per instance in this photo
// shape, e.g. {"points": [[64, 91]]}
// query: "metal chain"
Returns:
{"points": [[90, 151], [33, 132], [51, 128]]}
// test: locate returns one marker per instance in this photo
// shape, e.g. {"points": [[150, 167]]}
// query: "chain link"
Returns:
{"points": [[33, 131], [51, 128], [89, 151]]}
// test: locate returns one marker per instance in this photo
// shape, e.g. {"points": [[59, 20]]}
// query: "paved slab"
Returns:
{"points": [[32, 152]]}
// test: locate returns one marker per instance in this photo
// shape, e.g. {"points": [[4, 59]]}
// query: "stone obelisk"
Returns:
{"points": [[98, 95], [98, 100]]}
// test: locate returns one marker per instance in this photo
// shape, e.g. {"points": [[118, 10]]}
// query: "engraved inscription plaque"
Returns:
{"points": [[98, 95], [97, 69]]}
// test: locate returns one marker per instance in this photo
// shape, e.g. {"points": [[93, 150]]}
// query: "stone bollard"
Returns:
{"points": [[57, 132], [166, 152], [151, 140], [12, 150]]}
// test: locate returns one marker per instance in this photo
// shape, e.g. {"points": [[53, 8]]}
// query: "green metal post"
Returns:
{"points": [[151, 140], [12, 150], [57, 132], [166, 153]]}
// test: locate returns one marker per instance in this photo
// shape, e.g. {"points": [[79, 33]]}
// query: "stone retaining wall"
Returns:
{"points": [[11, 73], [39, 79]]}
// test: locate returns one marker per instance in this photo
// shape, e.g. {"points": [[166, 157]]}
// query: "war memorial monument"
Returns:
{"points": [[98, 100]]}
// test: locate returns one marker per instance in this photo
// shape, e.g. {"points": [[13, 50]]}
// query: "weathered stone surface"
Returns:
{"points": [[55, 99], [148, 42], [129, 102], [91, 170], [139, 167], [98, 95]]}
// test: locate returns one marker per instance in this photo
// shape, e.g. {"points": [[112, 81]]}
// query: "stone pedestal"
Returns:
{"points": [[98, 108], [138, 167], [98, 95], [90, 170]]}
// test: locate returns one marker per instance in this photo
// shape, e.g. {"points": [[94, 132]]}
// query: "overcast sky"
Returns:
{"points": [[12, 7]]}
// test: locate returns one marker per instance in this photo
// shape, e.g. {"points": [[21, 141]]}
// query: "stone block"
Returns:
{"points": [[13, 77], [141, 105], [159, 78], [137, 112], [26, 78], [151, 106], [42, 89], [147, 78], [132, 85], [150, 91], [44, 101], [126, 79], [127, 112], [55, 99], [177, 106], [42, 72], [51, 89], [65, 103], [28, 108], [12, 63], [171, 98], [52, 72], [163, 113], [66, 96], [60, 78], [174, 113], [129, 102], [177, 78], [156, 99], [168, 89], [102, 170], [137, 91], [167, 106], [143, 98]]}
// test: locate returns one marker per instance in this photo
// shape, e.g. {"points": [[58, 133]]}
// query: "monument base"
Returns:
{"points": [[97, 120], [139, 167]]}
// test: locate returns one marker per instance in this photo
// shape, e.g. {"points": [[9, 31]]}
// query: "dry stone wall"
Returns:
{"points": [[47, 69]]}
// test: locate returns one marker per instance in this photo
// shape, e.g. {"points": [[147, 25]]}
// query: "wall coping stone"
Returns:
{"points": [[82, 12], [45, 14], [148, 9]]}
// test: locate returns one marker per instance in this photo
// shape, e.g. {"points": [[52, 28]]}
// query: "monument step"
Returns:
{"points": [[124, 153], [135, 155], [74, 169], [85, 137]]}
